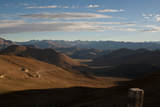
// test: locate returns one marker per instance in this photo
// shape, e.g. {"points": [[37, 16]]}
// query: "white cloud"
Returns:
{"points": [[127, 29], [148, 16], [110, 10], [50, 26], [17, 26], [65, 7], [51, 7], [43, 7], [120, 23], [9, 23], [157, 17], [144, 15], [93, 6], [66, 16], [151, 28], [152, 17]]}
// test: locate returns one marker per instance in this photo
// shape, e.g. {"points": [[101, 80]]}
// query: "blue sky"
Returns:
{"points": [[118, 20]]}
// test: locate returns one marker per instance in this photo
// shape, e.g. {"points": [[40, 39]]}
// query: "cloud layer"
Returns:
{"points": [[67, 16], [49, 26], [21, 26], [59, 6], [93, 6], [42, 7], [110, 10], [153, 17]]}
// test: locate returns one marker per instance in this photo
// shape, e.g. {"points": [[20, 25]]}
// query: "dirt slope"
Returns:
{"points": [[47, 55], [20, 73]]}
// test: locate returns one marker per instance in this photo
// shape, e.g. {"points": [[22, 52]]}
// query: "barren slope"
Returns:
{"points": [[47, 55], [41, 75]]}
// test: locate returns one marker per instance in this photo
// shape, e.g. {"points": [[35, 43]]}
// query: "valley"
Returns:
{"points": [[79, 53], [46, 77]]}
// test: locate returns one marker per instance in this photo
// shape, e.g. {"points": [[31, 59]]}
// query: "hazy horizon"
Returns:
{"points": [[15, 40]]}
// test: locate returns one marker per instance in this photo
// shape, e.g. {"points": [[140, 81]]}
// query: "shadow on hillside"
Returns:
{"points": [[83, 96], [130, 71], [66, 97]]}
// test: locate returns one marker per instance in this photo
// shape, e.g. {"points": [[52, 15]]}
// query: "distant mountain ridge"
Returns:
{"points": [[83, 49], [128, 56], [5, 43], [102, 45]]}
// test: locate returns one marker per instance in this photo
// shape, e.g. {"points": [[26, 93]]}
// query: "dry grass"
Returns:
{"points": [[51, 76]]}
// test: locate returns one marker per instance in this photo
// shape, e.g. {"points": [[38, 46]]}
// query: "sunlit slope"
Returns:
{"points": [[20, 73], [47, 55]]}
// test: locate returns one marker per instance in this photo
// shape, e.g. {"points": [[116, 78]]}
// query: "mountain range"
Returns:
{"points": [[101, 45], [128, 56], [59, 75], [47, 55]]}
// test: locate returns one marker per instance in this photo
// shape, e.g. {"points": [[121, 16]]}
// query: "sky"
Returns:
{"points": [[117, 20]]}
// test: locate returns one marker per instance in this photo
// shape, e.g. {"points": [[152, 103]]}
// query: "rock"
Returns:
{"points": [[25, 70], [2, 76], [38, 75]]}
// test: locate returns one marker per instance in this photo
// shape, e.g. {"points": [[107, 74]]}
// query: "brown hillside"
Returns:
{"points": [[20, 73], [61, 82], [46, 55]]}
